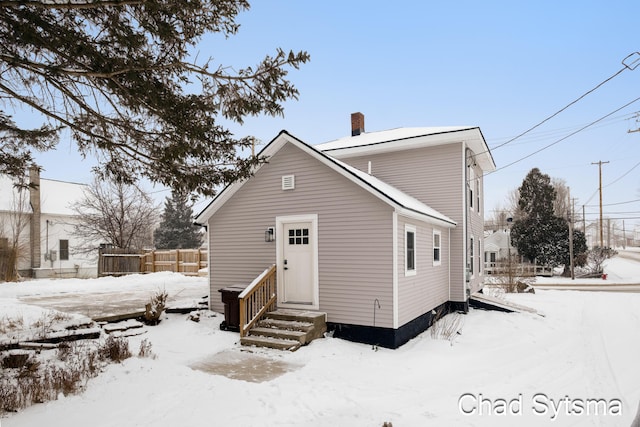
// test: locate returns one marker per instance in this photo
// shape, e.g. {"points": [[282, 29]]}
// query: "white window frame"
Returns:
{"points": [[480, 264], [478, 194], [410, 229], [439, 247], [470, 186], [472, 269]]}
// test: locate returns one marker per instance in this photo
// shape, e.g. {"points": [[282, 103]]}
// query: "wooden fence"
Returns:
{"points": [[117, 262], [185, 261]]}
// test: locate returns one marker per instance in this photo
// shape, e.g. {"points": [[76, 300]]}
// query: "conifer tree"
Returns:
{"points": [[538, 234], [176, 230], [126, 80]]}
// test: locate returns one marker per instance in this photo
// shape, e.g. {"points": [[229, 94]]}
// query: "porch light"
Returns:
{"points": [[269, 234]]}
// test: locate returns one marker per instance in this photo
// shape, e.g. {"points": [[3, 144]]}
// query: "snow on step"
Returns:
{"points": [[299, 336], [281, 344], [122, 326], [290, 325]]}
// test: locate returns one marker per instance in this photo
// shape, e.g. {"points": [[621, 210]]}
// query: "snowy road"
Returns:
{"points": [[623, 275], [629, 254]]}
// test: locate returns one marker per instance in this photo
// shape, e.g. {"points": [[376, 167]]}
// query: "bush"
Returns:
{"points": [[145, 349], [37, 382], [155, 308], [115, 349], [597, 256]]}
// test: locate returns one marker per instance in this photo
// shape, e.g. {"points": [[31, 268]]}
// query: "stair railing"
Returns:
{"points": [[257, 299]]}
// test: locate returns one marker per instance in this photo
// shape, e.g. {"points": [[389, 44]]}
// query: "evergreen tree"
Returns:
{"points": [[177, 231], [538, 234], [126, 81]]}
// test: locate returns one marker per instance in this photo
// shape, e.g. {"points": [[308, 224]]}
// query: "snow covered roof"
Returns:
{"points": [[408, 138], [401, 201], [56, 197]]}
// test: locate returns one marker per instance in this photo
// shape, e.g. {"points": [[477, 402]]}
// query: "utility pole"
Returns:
{"points": [[624, 236], [570, 215], [600, 163]]}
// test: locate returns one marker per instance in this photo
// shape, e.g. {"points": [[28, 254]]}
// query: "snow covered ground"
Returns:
{"points": [[539, 370]]}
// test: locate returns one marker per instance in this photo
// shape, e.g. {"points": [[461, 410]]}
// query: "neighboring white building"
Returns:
{"points": [[497, 247], [47, 243]]}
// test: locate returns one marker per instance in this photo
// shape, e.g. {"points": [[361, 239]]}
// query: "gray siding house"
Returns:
{"points": [[377, 230]]}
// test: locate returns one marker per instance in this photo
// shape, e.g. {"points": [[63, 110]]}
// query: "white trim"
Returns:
{"points": [[480, 258], [408, 138], [408, 228], [209, 262], [471, 255], [449, 263], [280, 221], [433, 248], [277, 143], [465, 218], [394, 238], [423, 218]]}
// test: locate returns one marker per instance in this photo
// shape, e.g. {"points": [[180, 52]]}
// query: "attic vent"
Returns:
{"points": [[288, 182]]}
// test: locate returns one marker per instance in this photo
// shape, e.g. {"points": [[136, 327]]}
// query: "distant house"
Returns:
{"points": [[497, 247], [378, 230], [46, 243]]}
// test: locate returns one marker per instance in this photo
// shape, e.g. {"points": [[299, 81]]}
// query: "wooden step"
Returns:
{"points": [[287, 329], [299, 336], [287, 325], [280, 344], [313, 317]]}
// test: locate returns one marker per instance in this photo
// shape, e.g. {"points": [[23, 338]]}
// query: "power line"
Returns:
{"points": [[633, 64], [615, 213], [614, 204], [623, 175], [563, 138]]}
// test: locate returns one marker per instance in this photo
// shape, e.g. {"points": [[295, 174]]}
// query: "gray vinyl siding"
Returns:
{"points": [[435, 176], [355, 238], [429, 287], [476, 229]]}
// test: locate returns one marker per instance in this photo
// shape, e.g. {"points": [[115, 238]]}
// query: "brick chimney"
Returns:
{"points": [[357, 124], [34, 227]]}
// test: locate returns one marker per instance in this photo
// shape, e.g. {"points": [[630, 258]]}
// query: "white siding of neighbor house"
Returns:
{"points": [[354, 236], [435, 176], [429, 287]]}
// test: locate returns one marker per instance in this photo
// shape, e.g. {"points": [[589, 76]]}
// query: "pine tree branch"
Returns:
{"points": [[71, 5]]}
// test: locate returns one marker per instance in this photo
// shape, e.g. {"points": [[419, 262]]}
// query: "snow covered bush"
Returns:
{"points": [[597, 256], [115, 349], [155, 308]]}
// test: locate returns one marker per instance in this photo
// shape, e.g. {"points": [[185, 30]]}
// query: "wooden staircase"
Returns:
{"points": [[286, 329]]}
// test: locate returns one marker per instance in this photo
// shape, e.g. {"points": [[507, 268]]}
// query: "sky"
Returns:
{"points": [[502, 66]]}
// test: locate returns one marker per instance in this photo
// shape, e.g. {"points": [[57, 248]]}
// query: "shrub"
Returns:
{"points": [[115, 349], [155, 308], [597, 256], [145, 349]]}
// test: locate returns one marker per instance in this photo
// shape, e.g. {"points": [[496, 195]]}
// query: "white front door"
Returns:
{"points": [[297, 263]]}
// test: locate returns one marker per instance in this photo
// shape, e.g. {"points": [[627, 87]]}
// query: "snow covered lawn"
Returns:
{"points": [[540, 370]]}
